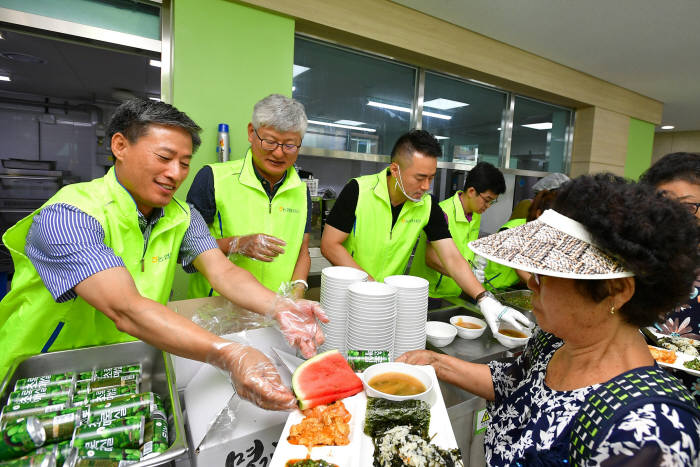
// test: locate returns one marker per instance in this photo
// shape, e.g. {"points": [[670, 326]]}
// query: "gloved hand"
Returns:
{"points": [[253, 375], [478, 267], [297, 321], [494, 311], [257, 246]]}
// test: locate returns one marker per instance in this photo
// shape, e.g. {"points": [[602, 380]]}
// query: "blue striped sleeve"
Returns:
{"points": [[197, 240], [66, 246]]}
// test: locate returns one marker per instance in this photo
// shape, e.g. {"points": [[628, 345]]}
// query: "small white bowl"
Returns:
{"points": [[440, 334], [397, 367], [511, 342], [466, 333]]}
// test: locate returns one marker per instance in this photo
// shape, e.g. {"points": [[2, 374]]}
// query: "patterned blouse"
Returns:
{"points": [[531, 423]]}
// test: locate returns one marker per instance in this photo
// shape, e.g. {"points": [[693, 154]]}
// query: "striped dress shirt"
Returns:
{"points": [[66, 246]]}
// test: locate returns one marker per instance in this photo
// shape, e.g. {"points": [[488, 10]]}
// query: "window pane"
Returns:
{"points": [[354, 102], [539, 139], [466, 118]]}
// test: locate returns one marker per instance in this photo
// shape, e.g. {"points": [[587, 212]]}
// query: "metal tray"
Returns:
{"points": [[157, 376], [507, 299]]}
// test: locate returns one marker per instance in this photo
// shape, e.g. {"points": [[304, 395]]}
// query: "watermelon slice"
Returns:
{"points": [[325, 378]]}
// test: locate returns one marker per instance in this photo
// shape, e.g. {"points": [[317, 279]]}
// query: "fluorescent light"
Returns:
{"points": [[444, 104], [336, 125], [349, 122], [539, 126], [432, 114], [398, 108], [298, 69], [157, 99], [389, 106], [668, 127], [155, 63], [5, 78], [498, 129], [441, 137]]}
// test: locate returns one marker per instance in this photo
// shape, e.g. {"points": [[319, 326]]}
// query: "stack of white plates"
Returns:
{"points": [[371, 317], [334, 302], [412, 312]]}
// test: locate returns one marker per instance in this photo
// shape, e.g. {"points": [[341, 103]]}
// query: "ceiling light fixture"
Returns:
{"points": [[155, 63], [398, 108], [668, 127], [444, 104], [5, 78], [539, 126], [349, 122], [336, 125], [298, 69], [441, 137]]}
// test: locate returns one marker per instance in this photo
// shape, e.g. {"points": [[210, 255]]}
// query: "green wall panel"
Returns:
{"points": [[116, 15], [226, 57], [640, 144]]}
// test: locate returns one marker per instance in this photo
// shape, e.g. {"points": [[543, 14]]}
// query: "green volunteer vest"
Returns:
{"points": [[500, 276], [463, 232], [243, 207], [32, 322], [378, 248]]}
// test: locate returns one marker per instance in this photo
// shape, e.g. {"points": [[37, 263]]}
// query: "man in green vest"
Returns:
{"points": [[95, 264], [378, 218], [482, 186], [257, 207]]}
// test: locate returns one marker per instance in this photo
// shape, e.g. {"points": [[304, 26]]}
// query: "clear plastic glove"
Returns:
{"points": [[257, 246], [494, 311], [479, 274], [253, 375], [478, 268], [297, 321]]}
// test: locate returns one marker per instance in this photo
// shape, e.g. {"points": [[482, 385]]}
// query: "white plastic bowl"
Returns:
{"points": [[466, 333], [511, 342], [397, 367], [440, 334]]}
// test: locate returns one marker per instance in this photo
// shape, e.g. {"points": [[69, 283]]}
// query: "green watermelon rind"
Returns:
{"points": [[306, 399]]}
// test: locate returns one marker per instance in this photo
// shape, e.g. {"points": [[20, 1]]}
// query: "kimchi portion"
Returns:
{"points": [[324, 425]]}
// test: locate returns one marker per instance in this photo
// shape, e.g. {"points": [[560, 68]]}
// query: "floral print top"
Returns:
{"points": [[531, 423]]}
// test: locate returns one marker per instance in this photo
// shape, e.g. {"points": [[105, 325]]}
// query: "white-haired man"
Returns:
{"points": [[257, 207]]}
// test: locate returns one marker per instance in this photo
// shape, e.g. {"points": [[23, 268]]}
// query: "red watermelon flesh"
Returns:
{"points": [[325, 378]]}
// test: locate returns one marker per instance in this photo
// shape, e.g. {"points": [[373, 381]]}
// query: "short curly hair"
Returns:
{"points": [[652, 236], [675, 166]]}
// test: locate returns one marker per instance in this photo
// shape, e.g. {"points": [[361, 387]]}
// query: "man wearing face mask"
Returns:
{"points": [[378, 218]]}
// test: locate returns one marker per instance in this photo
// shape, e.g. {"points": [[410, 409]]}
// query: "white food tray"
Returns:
{"points": [[360, 450]]}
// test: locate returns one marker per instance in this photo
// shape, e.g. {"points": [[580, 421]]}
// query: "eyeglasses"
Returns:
{"points": [[692, 207], [271, 145], [489, 202]]}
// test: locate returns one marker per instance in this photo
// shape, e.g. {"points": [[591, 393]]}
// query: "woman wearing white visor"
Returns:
{"points": [[608, 259]]}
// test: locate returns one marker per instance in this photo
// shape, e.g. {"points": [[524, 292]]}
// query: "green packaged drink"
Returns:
{"points": [[58, 426], [155, 438], [62, 450], [104, 395], [37, 381], [21, 437], [145, 403], [125, 433], [113, 372], [35, 394], [87, 387], [44, 406], [46, 459], [99, 457]]}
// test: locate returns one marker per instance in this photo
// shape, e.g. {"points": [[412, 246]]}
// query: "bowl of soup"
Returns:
{"points": [[511, 337], [468, 327], [397, 381]]}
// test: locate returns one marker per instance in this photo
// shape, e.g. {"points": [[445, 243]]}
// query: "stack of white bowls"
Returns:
{"points": [[371, 317], [412, 312], [334, 302]]}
